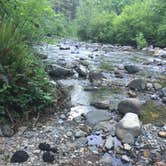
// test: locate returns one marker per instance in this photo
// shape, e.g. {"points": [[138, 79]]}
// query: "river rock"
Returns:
{"points": [[44, 146], [96, 76], [58, 71], [162, 92], [64, 47], [19, 157], [129, 124], [79, 133], [157, 86], [7, 131], [137, 84], [101, 104], [131, 69], [109, 142], [130, 105], [118, 74], [96, 116], [81, 70]]}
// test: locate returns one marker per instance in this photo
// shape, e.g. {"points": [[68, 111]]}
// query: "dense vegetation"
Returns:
{"points": [[24, 85], [132, 22]]}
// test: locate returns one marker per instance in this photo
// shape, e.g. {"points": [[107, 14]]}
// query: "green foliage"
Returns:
{"points": [[136, 22], [141, 41], [24, 85], [35, 19]]}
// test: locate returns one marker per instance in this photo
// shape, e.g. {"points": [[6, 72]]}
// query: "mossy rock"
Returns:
{"points": [[153, 112]]}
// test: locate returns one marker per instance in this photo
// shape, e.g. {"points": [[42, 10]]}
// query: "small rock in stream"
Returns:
{"points": [[7, 131], [131, 69]]}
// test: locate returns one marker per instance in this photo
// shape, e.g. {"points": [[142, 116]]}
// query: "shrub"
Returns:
{"points": [[24, 85]]}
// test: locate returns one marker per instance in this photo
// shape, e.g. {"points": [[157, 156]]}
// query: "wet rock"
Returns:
{"points": [[137, 84], [109, 142], [96, 116], [58, 71], [44, 146], [106, 125], [130, 105], [162, 92], [81, 70], [100, 104], [162, 134], [19, 157], [131, 69], [129, 124], [7, 131], [48, 157]]}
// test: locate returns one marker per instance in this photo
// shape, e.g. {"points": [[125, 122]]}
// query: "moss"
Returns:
{"points": [[153, 112]]}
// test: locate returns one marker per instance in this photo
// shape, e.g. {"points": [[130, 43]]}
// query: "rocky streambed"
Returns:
{"points": [[113, 111]]}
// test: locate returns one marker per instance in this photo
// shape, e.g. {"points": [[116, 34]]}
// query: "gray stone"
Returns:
{"points": [[96, 116], [79, 133], [93, 149], [109, 142], [101, 104], [130, 105], [64, 47], [128, 125], [157, 86], [69, 134], [131, 69], [126, 158], [162, 92], [81, 70], [127, 147], [96, 76], [7, 131], [58, 71], [137, 84]]}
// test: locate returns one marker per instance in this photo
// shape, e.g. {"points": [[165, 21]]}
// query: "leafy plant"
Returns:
{"points": [[24, 85]]}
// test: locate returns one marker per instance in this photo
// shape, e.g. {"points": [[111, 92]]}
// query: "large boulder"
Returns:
{"points": [[130, 105], [131, 69], [129, 125], [137, 84], [55, 70]]}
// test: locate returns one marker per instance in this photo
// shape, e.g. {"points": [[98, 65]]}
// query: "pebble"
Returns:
{"points": [[69, 134], [126, 158], [109, 142], [162, 134], [79, 133], [127, 147]]}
